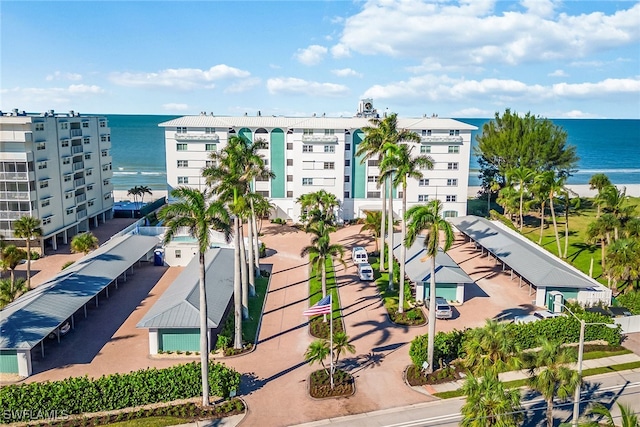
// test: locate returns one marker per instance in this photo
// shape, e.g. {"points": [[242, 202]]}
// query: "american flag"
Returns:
{"points": [[321, 307]]}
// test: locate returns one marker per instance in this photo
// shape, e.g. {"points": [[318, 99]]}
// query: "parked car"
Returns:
{"points": [[365, 272], [443, 309], [359, 255], [536, 315]]}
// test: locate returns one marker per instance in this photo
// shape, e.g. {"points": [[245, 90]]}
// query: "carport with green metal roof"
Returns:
{"points": [[34, 316], [545, 273]]}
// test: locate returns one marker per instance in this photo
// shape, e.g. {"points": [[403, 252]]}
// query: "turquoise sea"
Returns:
{"points": [[608, 146]]}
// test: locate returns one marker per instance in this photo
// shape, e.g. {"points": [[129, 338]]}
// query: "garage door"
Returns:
{"points": [[8, 362], [179, 339]]}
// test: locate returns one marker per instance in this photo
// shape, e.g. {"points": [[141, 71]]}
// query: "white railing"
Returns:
{"points": [[13, 176], [196, 137], [14, 195], [441, 138], [320, 138]]}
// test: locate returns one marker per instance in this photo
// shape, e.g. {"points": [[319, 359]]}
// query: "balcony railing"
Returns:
{"points": [[330, 139], [78, 166], [196, 137], [81, 214], [12, 215], [79, 182], [14, 195], [81, 198], [76, 149], [441, 138], [76, 132], [14, 176]]}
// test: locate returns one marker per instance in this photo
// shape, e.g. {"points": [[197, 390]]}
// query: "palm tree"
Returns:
{"points": [[623, 264], [405, 167], [491, 349], [570, 204], [195, 211], [12, 256], [523, 176], [599, 181], [429, 218], [548, 373], [84, 242], [321, 250], [317, 351], [556, 185], [628, 417], [10, 290], [341, 345], [615, 201], [135, 192], [372, 224], [540, 190], [493, 187], [601, 230], [318, 206], [508, 199], [27, 228], [142, 190], [488, 403]]}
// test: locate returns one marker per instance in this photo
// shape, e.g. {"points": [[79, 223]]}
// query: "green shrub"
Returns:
{"points": [[35, 255], [67, 264], [631, 300], [280, 221], [78, 395], [262, 250]]}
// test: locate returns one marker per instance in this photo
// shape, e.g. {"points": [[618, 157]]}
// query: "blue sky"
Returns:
{"points": [[468, 58]]}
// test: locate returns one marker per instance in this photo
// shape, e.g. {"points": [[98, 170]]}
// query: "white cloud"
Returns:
{"points": [[346, 72], [41, 99], [243, 85], [179, 78], [558, 73], [311, 55], [525, 33], [175, 107], [294, 86], [630, 87], [81, 89], [59, 75], [576, 114], [472, 112]]}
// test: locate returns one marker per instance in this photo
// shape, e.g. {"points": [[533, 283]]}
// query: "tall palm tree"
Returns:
{"points": [[12, 256], [548, 373], [372, 224], [341, 345], [135, 192], [623, 264], [11, 289], [556, 185], [540, 189], [491, 349], [489, 403], [615, 201], [405, 166], [84, 242], [508, 199], [599, 181], [142, 190], [571, 202], [318, 206], [321, 250], [523, 176], [601, 230], [27, 228], [429, 218], [196, 211]]}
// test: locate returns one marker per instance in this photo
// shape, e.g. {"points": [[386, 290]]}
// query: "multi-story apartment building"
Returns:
{"points": [[55, 167], [313, 153]]}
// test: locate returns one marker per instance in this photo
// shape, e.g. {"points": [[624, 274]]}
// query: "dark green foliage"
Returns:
{"points": [[447, 348], [631, 300], [320, 385], [76, 395], [262, 250], [412, 317], [280, 221], [318, 328]]}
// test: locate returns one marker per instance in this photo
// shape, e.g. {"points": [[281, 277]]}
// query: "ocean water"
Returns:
{"points": [[607, 146]]}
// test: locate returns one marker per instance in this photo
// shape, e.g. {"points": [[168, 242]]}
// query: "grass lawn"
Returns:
{"points": [[391, 298], [151, 422], [250, 325], [315, 288]]}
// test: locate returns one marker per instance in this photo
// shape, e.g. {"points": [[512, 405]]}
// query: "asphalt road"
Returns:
{"points": [[606, 389]]}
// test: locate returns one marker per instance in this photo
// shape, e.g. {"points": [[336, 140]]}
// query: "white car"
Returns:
{"points": [[536, 315], [359, 255], [365, 272]]}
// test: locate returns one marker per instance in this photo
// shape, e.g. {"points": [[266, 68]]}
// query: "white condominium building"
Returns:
{"points": [[313, 153], [55, 167]]}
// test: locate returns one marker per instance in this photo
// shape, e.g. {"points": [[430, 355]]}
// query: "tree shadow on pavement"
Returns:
{"points": [[250, 382], [383, 328]]}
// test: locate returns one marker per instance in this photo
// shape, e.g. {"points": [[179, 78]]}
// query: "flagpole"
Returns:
{"points": [[331, 335]]}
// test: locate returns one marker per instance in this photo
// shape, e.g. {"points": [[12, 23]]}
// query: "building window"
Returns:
{"points": [[64, 143], [106, 167], [373, 195], [107, 196], [347, 195], [347, 147], [103, 138], [289, 162], [105, 153], [183, 163], [451, 198], [67, 178], [423, 197], [329, 131], [347, 178], [181, 147], [329, 165], [289, 178], [90, 203], [424, 182], [46, 220], [105, 182], [89, 172], [307, 148], [85, 124], [70, 211], [426, 132], [86, 140], [178, 253], [68, 195], [452, 166], [42, 165], [289, 193], [452, 182], [454, 149], [66, 160], [289, 145], [87, 156], [347, 162], [307, 131], [262, 178], [425, 149], [329, 149], [210, 147], [307, 181], [39, 126], [181, 130], [103, 124], [64, 126], [451, 133], [372, 178], [90, 187], [209, 130], [183, 180], [263, 193], [372, 162], [450, 214], [41, 146], [45, 203], [209, 163]]}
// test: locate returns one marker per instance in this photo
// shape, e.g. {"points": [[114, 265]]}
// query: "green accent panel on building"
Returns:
{"points": [[447, 291], [568, 293], [358, 169], [246, 133], [277, 163], [179, 339], [9, 362]]}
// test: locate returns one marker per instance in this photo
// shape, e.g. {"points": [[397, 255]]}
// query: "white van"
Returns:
{"points": [[365, 272], [359, 255]]}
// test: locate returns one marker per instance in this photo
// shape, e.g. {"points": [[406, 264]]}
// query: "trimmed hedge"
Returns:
{"points": [[77, 395], [631, 300], [566, 329]]}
